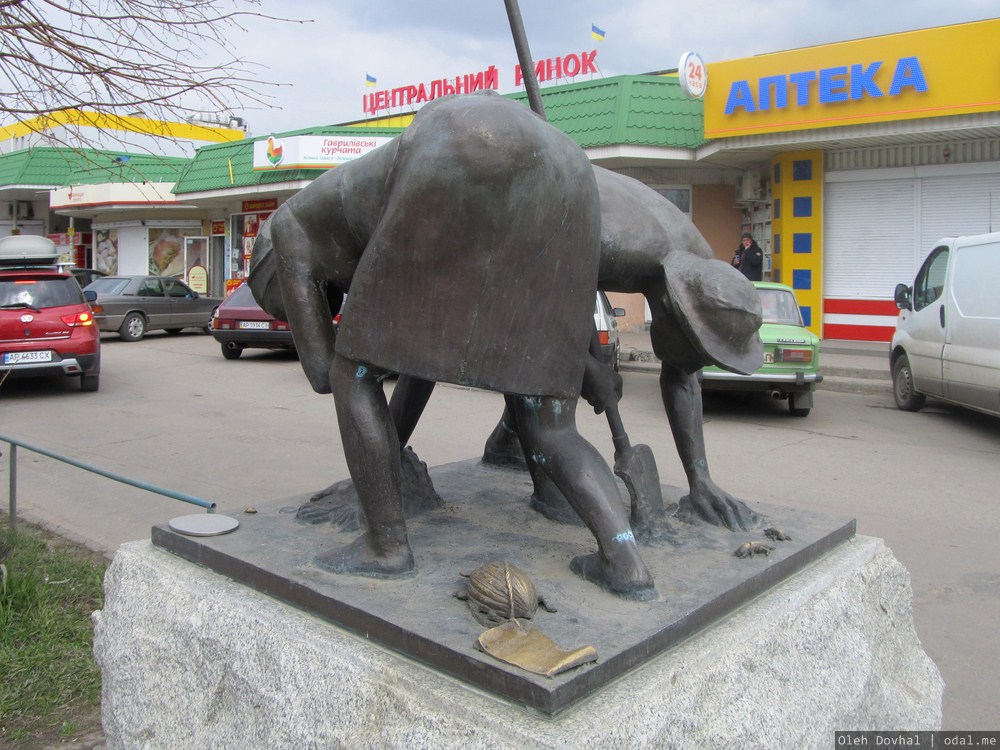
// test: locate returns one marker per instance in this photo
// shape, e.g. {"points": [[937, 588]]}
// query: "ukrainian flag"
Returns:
{"points": [[369, 79], [596, 33]]}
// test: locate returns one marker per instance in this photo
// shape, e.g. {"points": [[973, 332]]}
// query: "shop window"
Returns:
{"points": [[776, 245], [802, 279], [680, 197], [802, 169], [106, 251], [777, 173], [802, 206], [243, 231], [802, 242], [777, 208], [807, 314], [166, 251]]}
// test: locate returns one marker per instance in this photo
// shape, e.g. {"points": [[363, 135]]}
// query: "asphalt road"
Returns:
{"points": [[172, 412]]}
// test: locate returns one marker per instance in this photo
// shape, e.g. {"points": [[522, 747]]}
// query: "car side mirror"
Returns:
{"points": [[90, 295], [902, 297], [618, 312]]}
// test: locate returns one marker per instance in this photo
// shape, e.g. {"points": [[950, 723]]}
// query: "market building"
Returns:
{"points": [[105, 196], [845, 161]]}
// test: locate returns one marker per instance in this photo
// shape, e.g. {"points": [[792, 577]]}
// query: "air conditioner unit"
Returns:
{"points": [[750, 187]]}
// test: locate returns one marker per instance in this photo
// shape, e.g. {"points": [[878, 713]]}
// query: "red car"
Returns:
{"points": [[240, 323], [46, 324]]}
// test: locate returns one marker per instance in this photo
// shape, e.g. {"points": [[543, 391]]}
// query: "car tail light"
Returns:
{"points": [[604, 337], [97, 309], [280, 325], [73, 320], [804, 356]]}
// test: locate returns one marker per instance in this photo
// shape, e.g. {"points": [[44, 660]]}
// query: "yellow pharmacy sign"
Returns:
{"points": [[949, 70]]}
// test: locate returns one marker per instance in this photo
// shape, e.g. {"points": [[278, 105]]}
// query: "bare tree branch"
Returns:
{"points": [[168, 59]]}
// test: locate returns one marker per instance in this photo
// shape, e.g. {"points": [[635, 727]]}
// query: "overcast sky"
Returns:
{"points": [[322, 65]]}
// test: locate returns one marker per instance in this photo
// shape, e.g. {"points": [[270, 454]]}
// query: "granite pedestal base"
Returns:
{"points": [[191, 659]]}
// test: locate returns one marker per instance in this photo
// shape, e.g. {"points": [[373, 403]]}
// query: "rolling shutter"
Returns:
{"points": [[958, 205], [869, 237]]}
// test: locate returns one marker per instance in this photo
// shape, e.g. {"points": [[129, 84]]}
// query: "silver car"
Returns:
{"points": [[135, 305], [607, 329]]}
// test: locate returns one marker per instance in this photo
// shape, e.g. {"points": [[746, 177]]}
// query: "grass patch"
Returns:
{"points": [[49, 677]]}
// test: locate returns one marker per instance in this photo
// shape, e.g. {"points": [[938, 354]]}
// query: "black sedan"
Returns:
{"points": [[134, 305]]}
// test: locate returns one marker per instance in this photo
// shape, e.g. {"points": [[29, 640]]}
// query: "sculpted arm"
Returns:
{"points": [[304, 291], [318, 237]]}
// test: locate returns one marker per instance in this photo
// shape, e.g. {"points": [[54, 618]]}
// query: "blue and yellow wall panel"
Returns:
{"points": [[797, 230]]}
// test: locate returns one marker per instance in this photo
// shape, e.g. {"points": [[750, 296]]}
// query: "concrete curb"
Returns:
{"points": [[844, 370]]}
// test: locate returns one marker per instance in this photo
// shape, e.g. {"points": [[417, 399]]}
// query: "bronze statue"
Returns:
{"points": [[484, 209], [703, 312]]}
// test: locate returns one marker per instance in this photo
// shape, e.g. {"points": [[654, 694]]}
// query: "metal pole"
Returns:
{"points": [[13, 486], [524, 57], [207, 504]]}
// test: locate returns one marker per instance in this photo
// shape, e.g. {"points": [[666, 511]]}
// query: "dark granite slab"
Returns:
{"points": [[487, 518]]}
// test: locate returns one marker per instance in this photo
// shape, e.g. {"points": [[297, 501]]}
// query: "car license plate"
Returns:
{"points": [[16, 358], [255, 324], [768, 358]]}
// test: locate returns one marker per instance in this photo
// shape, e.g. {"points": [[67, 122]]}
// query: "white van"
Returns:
{"points": [[947, 340]]}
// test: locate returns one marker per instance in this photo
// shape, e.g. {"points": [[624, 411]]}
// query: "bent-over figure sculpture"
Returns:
{"points": [[485, 208]]}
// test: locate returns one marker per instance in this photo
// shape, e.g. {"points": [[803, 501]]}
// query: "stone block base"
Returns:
{"points": [[191, 659]]}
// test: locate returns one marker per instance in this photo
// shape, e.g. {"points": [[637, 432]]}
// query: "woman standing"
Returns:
{"points": [[749, 258]]}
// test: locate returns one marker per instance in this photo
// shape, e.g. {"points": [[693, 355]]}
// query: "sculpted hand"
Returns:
{"points": [[710, 503], [602, 386]]}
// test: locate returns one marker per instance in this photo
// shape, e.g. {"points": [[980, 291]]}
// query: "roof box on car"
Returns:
{"points": [[27, 250]]}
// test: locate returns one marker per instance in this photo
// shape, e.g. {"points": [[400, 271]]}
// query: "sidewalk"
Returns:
{"points": [[847, 366]]}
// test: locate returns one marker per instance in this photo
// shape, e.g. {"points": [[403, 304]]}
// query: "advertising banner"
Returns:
{"points": [[311, 151]]}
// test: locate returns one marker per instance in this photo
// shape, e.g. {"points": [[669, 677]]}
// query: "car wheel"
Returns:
{"points": [[906, 397], [90, 383], [133, 327], [794, 410], [231, 350]]}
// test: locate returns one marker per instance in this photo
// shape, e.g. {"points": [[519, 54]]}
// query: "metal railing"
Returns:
{"points": [[15, 444]]}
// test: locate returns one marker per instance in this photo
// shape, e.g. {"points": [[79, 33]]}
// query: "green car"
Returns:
{"points": [[791, 354]]}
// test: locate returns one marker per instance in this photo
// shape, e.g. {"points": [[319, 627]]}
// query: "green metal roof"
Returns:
{"points": [[210, 168], [48, 167], [624, 110]]}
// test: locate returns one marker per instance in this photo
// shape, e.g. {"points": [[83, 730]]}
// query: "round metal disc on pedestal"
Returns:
{"points": [[203, 524]]}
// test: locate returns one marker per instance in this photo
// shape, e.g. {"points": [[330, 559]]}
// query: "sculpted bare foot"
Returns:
{"points": [[713, 505], [622, 572], [339, 503], [366, 556]]}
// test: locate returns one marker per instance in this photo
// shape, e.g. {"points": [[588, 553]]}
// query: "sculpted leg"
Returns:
{"points": [[584, 478], [706, 501], [372, 451], [409, 398]]}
